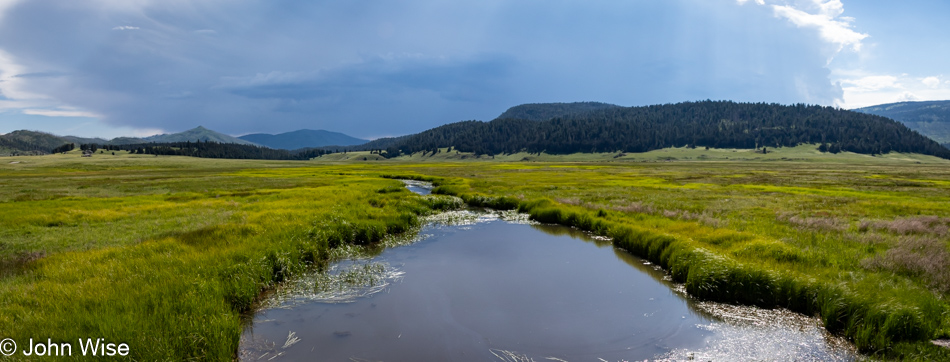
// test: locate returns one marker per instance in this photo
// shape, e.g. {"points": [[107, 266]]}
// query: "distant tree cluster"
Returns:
{"points": [[64, 148], [720, 124], [216, 150]]}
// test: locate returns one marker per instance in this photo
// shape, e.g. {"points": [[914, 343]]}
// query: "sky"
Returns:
{"points": [[374, 68]]}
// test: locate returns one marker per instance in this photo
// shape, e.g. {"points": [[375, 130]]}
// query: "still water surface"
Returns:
{"points": [[494, 287]]}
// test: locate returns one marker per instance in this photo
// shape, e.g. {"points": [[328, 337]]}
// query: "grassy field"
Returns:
{"points": [[166, 253]]}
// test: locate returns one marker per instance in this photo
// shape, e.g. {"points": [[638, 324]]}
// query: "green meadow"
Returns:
{"points": [[168, 254]]}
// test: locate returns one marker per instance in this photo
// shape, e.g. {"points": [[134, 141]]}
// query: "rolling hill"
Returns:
{"points": [[719, 124], [304, 138], [32, 142], [25, 142], [931, 119], [546, 111], [194, 134]]}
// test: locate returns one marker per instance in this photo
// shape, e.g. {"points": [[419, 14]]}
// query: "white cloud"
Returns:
{"points": [[871, 83], [932, 82], [760, 2], [58, 113], [832, 27], [125, 27], [907, 97], [862, 89], [12, 86]]}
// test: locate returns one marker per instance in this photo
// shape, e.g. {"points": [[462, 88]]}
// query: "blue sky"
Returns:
{"points": [[379, 68]]}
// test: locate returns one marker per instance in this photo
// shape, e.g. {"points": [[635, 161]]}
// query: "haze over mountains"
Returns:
{"points": [[931, 118]]}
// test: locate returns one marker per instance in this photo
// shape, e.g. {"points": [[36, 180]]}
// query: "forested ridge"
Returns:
{"points": [[546, 111], [719, 124]]}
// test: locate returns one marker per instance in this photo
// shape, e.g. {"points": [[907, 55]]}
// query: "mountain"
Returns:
{"points": [[931, 119], [82, 140], [546, 111], [720, 124], [29, 142], [304, 138], [32, 140], [194, 134]]}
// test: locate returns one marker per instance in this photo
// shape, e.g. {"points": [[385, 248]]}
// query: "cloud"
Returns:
{"points": [[827, 19], [59, 113], [451, 79], [862, 89], [872, 83], [932, 82], [382, 68], [907, 97]]}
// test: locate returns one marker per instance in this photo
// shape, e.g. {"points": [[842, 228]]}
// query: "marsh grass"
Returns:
{"points": [[168, 264], [925, 257], [167, 253]]}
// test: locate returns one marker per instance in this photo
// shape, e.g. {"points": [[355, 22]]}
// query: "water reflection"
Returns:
{"points": [[419, 187], [488, 289]]}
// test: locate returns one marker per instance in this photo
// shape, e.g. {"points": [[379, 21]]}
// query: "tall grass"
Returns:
{"points": [[166, 253], [170, 271]]}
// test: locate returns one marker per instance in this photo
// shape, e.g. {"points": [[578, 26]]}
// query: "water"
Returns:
{"points": [[419, 187], [494, 287]]}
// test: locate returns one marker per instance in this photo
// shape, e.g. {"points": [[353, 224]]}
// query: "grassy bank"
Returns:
{"points": [[165, 253]]}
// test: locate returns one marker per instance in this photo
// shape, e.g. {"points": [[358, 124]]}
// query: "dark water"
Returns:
{"points": [[475, 287]]}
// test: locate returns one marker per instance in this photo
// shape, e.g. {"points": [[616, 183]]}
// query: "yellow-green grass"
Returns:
{"points": [[165, 253], [773, 234], [802, 153]]}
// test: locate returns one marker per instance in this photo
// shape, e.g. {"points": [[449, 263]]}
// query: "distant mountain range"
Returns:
{"points": [[304, 138], [931, 118], [25, 142]]}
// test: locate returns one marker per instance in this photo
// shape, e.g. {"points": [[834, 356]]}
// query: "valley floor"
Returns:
{"points": [[166, 253]]}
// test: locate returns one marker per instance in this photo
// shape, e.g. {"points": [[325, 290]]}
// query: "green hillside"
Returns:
{"points": [[29, 142], [196, 134], [719, 124], [931, 119], [546, 111]]}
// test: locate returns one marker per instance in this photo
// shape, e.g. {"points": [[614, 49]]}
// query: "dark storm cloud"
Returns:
{"points": [[373, 68]]}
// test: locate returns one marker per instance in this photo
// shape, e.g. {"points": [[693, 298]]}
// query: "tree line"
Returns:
{"points": [[719, 124], [211, 149]]}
